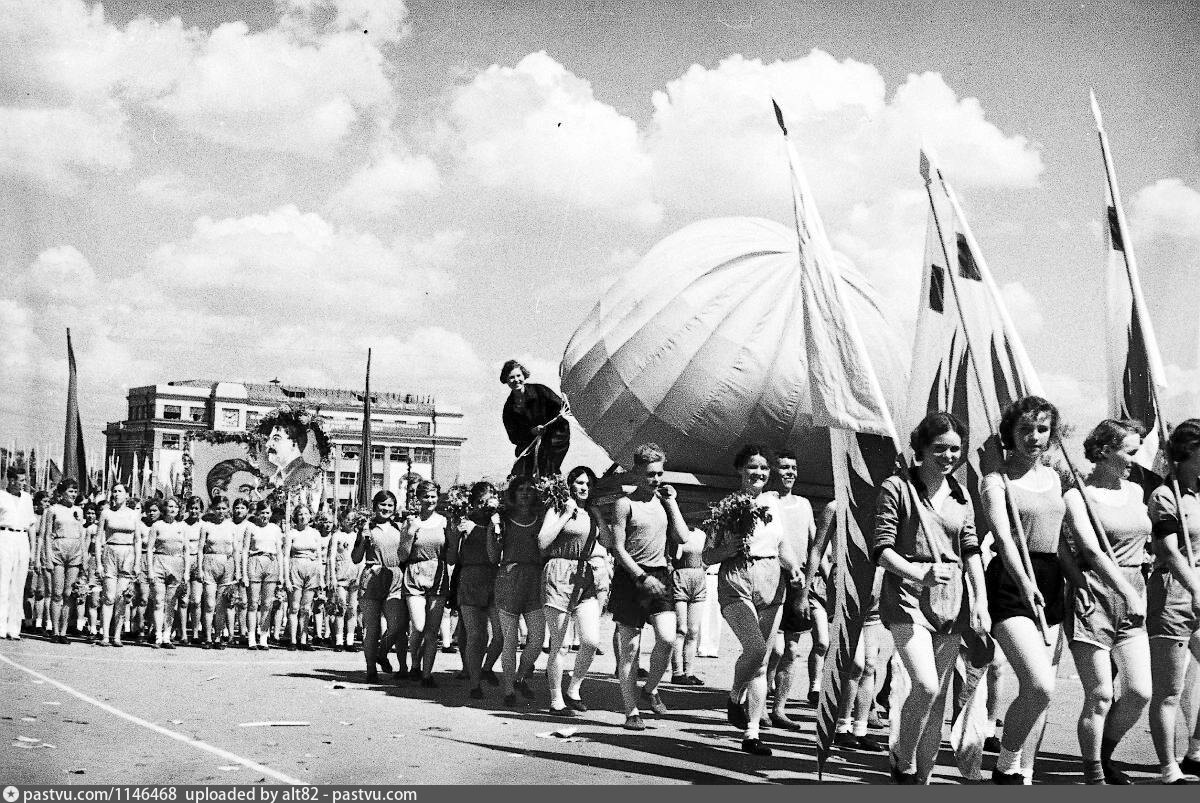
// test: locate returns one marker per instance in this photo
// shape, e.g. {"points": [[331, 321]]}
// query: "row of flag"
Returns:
{"points": [[968, 359]]}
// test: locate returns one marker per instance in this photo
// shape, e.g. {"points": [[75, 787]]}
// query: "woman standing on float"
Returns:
{"points": [[750, 590], [117, 543], [170, 565], [303, 575], [1019, 481], [567, 537], [260, 573], [1112, 634], [219, 538], [1173, 594], [425, 580], [477, 579], [925, 539], [61, 544], [519, 587], [378, 548]]}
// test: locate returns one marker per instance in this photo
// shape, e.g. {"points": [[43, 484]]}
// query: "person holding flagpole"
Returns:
{"points": [[1173, 598], [1020, 485], [925, 539], [1112, 634]]}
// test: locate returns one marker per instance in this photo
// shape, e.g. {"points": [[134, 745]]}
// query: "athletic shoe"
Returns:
{"points": [[868, 744], [381, 659], [523, 687], [642, 674], [991, 744], [898, 777], [755, 747], [372, 675], [565, 711], [208, 646], [575, 703], [220, 645], [1177, 782], [876, 723], [782, 721], [634, 722], [764, 722], [692, 680], [1113, 776], [735, 713], [814, 699], [846, 739], [154, 646], [490, 676], [166, 645], [655, 703], [1190, 766], [1008, 778], [476, 693], [305, 647]]}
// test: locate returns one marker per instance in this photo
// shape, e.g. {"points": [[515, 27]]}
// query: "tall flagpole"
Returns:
{"points": [[1151, 343], [366, 462], [927, 170]]}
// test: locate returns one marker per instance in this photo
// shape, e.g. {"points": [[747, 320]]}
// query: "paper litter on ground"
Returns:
{"points": [[560, 733]]}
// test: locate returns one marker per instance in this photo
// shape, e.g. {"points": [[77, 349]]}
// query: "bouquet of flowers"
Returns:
{"points": [[736, 516], [334, 605], [457, 502], [552, 492]]}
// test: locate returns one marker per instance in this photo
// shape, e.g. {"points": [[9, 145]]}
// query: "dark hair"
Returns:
{"points": [[1184, 440], [262, 507], [510, 493], [91, 507], [240, 500], [1110, 432], [1028, 406], [425, 486], [578, 472], [382, 496], [479, 490], [15, 472], [64, 486], [509, 365], [191, 500], [746, 452], [220, 474], [219, 500], [39, 496], [648, 453], [152, 503], [785, 454], [934, 424]]}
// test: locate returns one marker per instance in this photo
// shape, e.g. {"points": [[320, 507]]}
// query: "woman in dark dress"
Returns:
{"points": [[533, 410]]}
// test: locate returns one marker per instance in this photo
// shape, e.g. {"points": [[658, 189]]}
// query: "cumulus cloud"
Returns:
{"points": [[55, 145], [382, 187], [377, 20], [174, 189], [537, 130], [1023, 308], [1167, 208]]}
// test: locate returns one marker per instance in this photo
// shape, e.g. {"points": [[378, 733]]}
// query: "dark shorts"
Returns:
{"points": [[519, 588], [794, 619], [476, 585], [1004, 595], [631, 605], [1168, 607]]}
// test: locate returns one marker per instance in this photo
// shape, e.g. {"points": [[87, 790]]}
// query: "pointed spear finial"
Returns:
{"points": [[1096, 109], [779, 117]]}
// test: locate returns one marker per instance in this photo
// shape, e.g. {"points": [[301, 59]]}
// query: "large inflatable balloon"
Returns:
{"points": [[700, 348]]}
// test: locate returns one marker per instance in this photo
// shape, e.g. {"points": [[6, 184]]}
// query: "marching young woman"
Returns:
{"points": [[93, 587], [689, 589], [755, 569], [342, 578], [1112, 633], [117, 542], [1173, 595], [425, 580], [170, 565], [644, 522], [925, 539], [519, 587], [1028, 429], [378, 548], [800, 528], [260, 573], [189, 604], [477, 579], [143, 589], [569, 539], [62, 552], [240, 518], [303, 574], [219, 544], [37, 586]]}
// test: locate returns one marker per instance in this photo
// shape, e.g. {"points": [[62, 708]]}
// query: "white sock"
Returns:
{"points": [[1009, 761], [988, 729], [860, 728], [1028, 773], [1170, 772], [843, 725], [1194, 749]]}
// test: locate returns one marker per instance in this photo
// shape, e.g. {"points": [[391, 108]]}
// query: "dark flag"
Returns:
{"points": [[74, 464]]}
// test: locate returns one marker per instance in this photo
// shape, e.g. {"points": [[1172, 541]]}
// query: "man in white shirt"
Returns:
{"points": [[17, 522]]}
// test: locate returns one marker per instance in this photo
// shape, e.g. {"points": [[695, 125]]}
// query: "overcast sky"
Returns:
{"points": [[254, 190]]}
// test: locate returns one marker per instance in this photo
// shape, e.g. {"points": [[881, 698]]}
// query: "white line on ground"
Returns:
{"points": [[158, 660], [199, 745]]}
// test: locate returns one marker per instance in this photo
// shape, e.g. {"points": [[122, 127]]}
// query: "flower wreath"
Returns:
{"points": [[307, 418]]}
